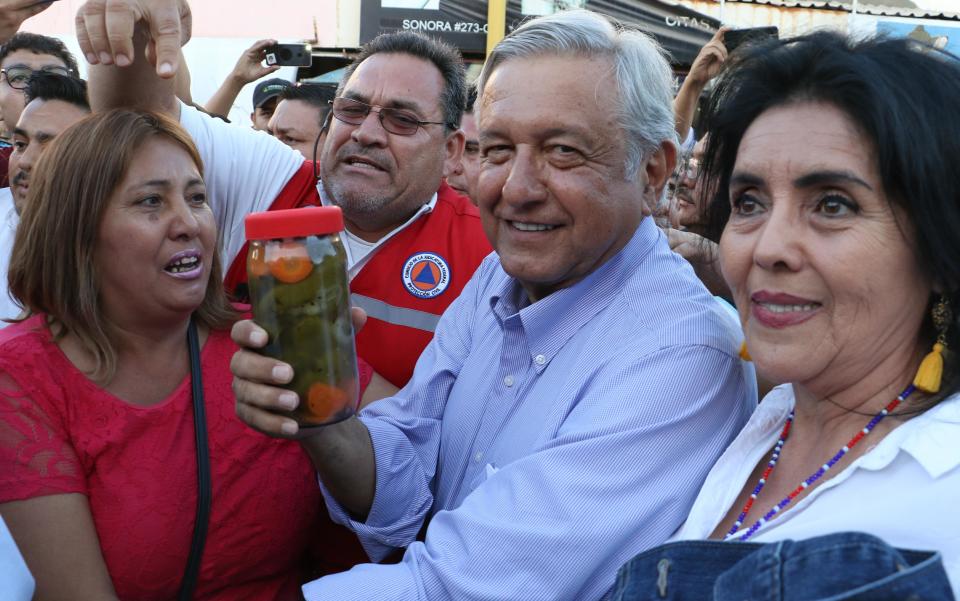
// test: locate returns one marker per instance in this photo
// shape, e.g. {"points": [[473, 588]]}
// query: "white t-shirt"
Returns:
{"points": [[9, 218], [905, 490], [16, 580], [244, 171]]}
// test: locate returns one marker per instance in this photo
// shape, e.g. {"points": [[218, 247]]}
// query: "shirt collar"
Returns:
{"points": [[550, 322], [356, 264], [930, 438]]}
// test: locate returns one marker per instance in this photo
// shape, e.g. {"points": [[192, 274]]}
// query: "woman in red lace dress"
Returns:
{"points": [[115, 253]]}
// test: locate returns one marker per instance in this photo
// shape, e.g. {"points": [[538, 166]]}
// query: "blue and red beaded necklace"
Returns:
{"points": [[777, 449]]}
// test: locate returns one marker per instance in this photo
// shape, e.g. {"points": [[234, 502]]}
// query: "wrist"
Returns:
{"points": [[695, 83], [237, 80]]}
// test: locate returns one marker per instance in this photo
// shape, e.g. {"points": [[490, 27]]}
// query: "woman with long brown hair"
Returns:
{"points": [[124, 472]]}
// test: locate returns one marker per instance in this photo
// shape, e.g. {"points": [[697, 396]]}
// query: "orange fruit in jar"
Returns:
{"points": [[324, 401], [290, 263]]}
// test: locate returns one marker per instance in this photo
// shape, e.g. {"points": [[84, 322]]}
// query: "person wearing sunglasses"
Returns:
{"points": [[23, 55]]}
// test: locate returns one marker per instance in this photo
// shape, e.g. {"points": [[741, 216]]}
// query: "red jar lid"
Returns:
{"points": [[294, 223]]}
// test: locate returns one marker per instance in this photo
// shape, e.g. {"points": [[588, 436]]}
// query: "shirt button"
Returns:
{"points": [[478, 457], [540, 359], [508, 381]]}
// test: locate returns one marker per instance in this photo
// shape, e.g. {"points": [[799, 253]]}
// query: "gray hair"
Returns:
{"points": [[641, 71]]}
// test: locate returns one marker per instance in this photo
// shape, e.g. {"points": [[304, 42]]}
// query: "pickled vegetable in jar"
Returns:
{"points": [[299, 289]]}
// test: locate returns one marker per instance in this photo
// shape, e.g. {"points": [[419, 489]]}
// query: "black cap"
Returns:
{"points": [[268, 89]]}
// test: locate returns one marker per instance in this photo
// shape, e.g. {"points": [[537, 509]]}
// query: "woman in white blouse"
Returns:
{"points": [[838, 199]]}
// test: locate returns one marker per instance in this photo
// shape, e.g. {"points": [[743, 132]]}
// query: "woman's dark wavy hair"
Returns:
{"points": [[903, 97]]}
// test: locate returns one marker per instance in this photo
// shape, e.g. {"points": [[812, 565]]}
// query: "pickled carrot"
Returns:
{"points": [[324, 401], [291, 264]]}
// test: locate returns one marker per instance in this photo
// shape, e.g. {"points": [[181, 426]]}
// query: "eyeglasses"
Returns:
{"points": [[395, 121], [689, 168], [19, 77]]}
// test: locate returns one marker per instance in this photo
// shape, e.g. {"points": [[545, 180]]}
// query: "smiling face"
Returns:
{"points": [[553, 193], [821, 266], [380, 179], [157, 236], [40, 122]]}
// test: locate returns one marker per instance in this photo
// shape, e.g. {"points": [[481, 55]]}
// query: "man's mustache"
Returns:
{"points": [[686, 192], [18, 178]]}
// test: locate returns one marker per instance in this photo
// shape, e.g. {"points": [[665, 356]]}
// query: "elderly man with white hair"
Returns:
{"points": [[576, 393]]}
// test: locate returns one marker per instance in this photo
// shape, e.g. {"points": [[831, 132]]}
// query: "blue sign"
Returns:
{"points": [[943, 37]]}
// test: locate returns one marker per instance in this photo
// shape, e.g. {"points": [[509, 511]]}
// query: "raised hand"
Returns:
{"points": [[105, 31], [250, 66], [710, 59], [14, 12]]}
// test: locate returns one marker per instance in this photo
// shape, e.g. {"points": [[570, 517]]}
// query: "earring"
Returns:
{"points": [[931, 369], [744, 353]]}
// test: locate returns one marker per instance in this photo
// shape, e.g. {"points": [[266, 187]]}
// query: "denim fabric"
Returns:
{"points": [[846, 566]]}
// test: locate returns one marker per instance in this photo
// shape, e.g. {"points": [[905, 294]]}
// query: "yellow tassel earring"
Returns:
{"points": [[744, 353], [931, 369]]}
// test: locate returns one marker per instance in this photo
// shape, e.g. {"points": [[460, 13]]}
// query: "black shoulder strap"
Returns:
{"points": [[203, 469]]}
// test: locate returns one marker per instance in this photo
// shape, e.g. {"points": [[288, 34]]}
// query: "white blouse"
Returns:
{"points": [[905, 490]]}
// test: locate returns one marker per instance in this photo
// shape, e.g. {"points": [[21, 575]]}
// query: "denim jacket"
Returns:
{"points": [[846, 566]]}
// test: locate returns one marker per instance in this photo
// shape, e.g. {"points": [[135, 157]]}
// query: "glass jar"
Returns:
{"points": [[297, 272]]}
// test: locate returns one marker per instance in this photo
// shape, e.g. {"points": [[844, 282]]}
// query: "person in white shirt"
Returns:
{"points": [[839, 244], [54, 103]]}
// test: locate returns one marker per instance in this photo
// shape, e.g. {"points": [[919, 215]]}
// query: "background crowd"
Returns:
{"points": [[671, 356]]}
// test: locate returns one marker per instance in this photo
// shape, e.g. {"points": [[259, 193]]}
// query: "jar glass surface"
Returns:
{"points": [[300, 295]]}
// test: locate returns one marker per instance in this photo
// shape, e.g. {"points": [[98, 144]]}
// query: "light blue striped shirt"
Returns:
{"points": [[550, 442]]}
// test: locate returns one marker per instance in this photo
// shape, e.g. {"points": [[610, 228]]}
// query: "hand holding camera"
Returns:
{"points": [[249, 67], [289, 55]]}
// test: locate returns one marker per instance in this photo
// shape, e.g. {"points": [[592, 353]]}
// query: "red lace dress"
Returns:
{"points": [[60, 433]]}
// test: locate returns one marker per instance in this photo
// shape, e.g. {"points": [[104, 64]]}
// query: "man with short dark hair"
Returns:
{"points": [[299, 117], [266, 95], [23, 55], [54, 103], [463, 179]]}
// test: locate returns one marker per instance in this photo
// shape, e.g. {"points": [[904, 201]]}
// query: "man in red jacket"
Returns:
{"points": [[412, 241]]}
